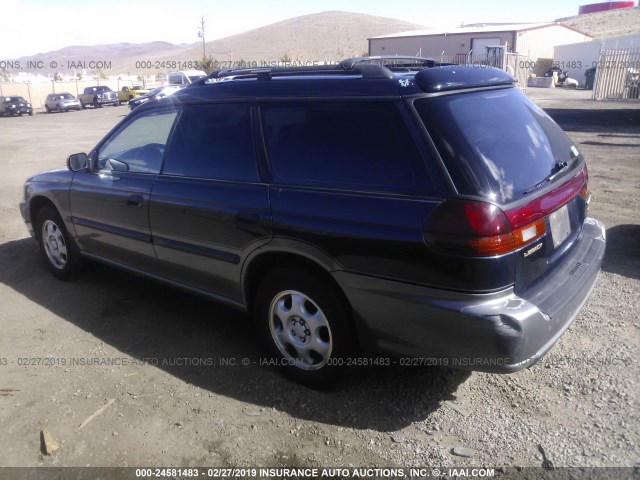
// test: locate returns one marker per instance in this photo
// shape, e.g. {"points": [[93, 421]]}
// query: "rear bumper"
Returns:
{"points": [[497, 332]]}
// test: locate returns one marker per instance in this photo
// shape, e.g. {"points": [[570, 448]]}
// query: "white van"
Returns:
{"points": [[185, 77]]}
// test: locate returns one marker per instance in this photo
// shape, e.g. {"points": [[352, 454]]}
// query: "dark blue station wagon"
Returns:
{"points": [[419, 210]]}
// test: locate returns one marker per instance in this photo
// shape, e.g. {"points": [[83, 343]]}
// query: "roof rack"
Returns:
{"points": [[379, 67], [392, 62]]}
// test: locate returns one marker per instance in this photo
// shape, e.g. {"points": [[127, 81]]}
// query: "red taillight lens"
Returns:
{"points": [[481, 229], [476, 229]]}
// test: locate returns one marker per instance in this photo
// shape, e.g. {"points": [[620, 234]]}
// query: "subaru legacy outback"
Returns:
{"points": [[415, 209]]}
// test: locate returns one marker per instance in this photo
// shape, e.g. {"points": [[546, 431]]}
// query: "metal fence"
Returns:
{"points": [[618, 75]]}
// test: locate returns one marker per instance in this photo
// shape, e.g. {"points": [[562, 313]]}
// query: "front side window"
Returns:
{"points": [[346, 145], [213, 141], [139, 145]]}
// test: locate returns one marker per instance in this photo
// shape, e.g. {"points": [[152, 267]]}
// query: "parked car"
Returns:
{"points": [[128, 93], [435, 214], [15, 105], [155, 94], [98, 96], [61, 102], [185, 77]]}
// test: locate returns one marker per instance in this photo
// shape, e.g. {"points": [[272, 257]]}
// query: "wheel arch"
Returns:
{"points": [[264, 262], [267, 260], [36, 204]]}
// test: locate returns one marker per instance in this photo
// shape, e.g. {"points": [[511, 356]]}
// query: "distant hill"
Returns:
{"points": [[611, 23], [321, 36], [122, 56]]}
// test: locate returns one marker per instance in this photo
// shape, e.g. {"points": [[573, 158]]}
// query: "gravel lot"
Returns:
{"points": [[577, 407]]}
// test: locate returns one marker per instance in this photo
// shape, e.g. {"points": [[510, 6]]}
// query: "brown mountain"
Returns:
{"points": [[606, 24], [321, 36], [121, 56]]}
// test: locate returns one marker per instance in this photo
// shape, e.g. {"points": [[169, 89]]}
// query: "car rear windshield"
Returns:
{"points": [[496, 144]]}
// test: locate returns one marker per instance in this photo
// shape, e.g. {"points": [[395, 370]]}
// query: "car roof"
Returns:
{"points": [[356, 77]]}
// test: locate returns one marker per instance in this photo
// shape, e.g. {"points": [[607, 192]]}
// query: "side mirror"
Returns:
{"points": [[77, 162]]}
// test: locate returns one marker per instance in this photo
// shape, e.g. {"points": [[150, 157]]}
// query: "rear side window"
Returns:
{"points": [[347, 145], [496, 144], [213, 141]]}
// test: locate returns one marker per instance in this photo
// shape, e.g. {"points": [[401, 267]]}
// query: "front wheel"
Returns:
{"points": [[306, 326], [55, 244]]}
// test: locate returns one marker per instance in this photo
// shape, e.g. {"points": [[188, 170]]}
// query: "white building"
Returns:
{"points": [[464, 44], [576, 58]]}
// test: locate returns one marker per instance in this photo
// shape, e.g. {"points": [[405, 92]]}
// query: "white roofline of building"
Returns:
{"points": [[514, 27]]}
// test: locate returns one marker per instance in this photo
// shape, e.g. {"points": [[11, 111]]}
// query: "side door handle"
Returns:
{"points": [[135, 201]]}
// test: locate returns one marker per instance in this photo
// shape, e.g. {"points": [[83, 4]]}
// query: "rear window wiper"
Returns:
{"points": [[558, 168]]}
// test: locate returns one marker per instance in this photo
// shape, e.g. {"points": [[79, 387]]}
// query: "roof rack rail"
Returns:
{"points": [[391, 61], [377, 67]]}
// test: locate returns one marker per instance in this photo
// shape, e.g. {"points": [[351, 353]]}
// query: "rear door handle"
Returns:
{"points": [[135, 201]]}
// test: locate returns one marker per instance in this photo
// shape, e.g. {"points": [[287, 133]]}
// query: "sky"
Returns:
{"points": [[28, 27]]}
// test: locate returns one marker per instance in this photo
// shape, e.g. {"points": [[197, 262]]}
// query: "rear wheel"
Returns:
{"points": [[55, 244], [46, 107], [305, 324]]}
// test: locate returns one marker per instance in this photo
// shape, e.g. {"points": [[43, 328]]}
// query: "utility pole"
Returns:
{"points": [[201, 34]]}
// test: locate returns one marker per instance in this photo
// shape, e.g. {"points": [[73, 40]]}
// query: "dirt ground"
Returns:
{"points": [[184, 372]]}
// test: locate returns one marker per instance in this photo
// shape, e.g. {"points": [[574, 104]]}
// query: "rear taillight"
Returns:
{"points": [[476, 229], [481, 229]]}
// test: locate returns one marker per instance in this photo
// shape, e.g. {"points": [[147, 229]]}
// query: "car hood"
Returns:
{"points": [[140, 99], [60, 175]]}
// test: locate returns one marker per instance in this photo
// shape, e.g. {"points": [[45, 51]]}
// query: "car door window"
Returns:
{"points": [[139, 145], [213, 141]]}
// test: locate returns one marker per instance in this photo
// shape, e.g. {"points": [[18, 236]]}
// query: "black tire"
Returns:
{"points": [[82, 105], [58, 250], [59, 109], [288, 339], [46, 107], [31, 113], [96, 104]]}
